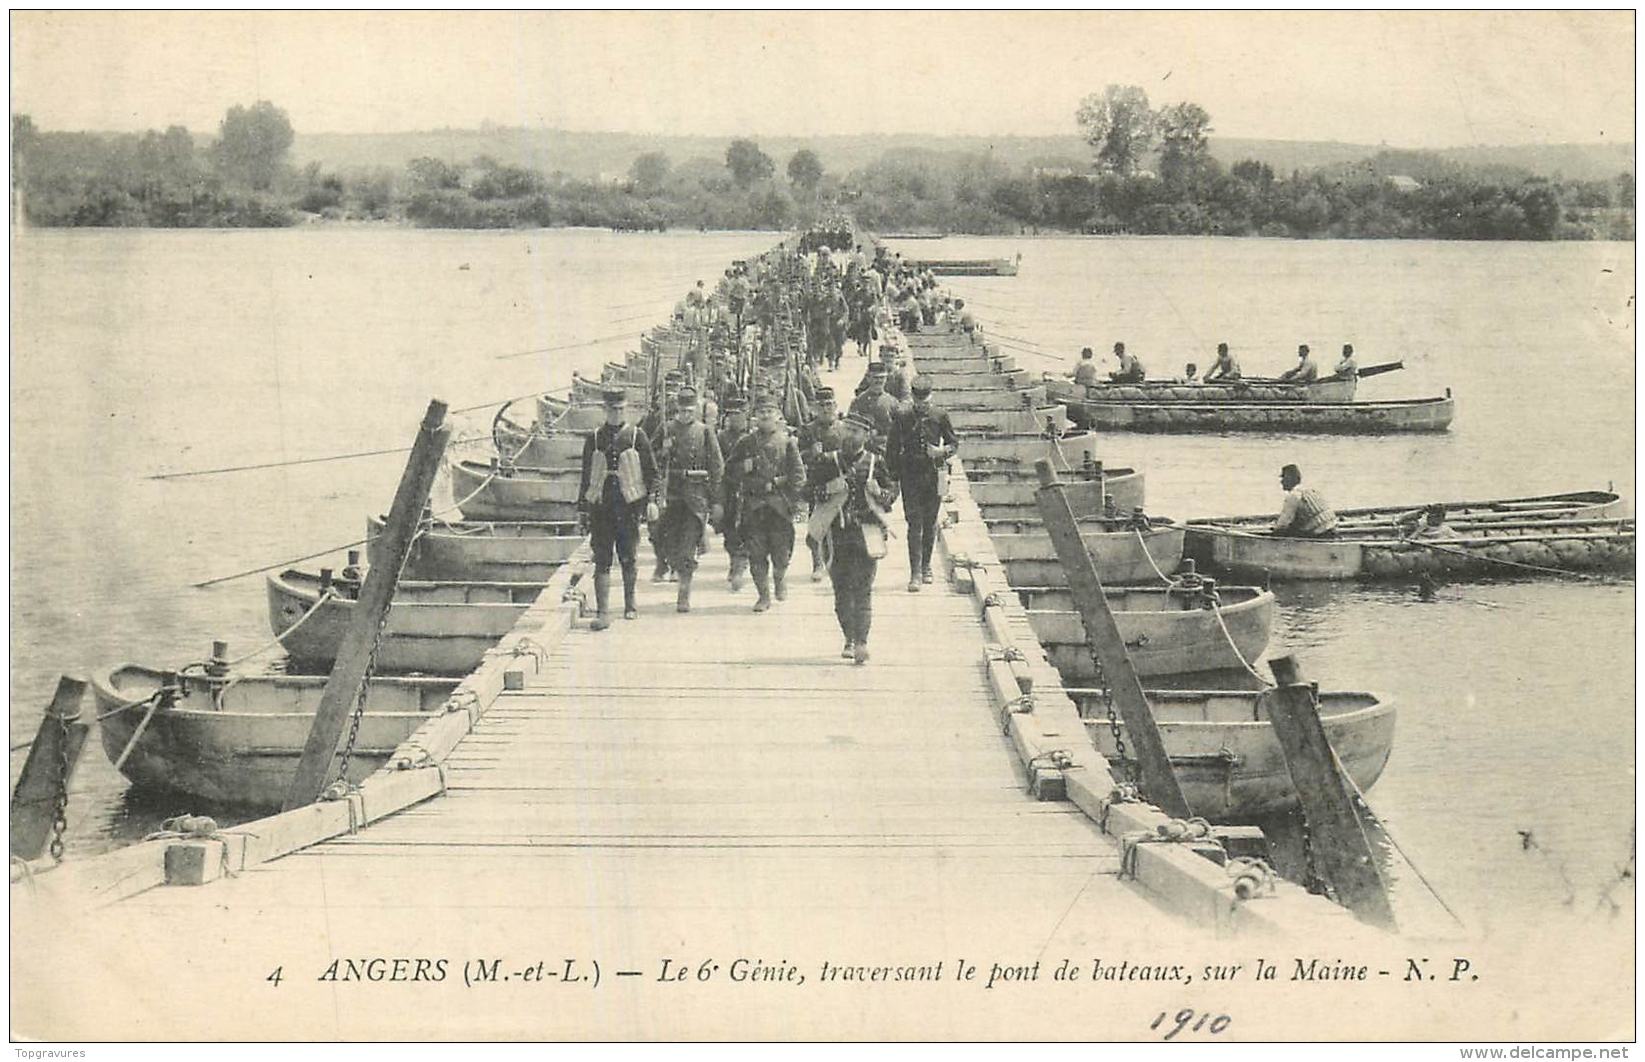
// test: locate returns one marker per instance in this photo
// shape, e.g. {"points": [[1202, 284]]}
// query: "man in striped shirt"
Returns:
{"points": [[1304, 513]]}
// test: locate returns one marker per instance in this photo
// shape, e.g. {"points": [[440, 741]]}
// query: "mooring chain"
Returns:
{"points": [[60, 800], [360, 700]]}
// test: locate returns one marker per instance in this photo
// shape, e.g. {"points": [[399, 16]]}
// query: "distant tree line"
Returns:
{"points": [[1150, 172]]}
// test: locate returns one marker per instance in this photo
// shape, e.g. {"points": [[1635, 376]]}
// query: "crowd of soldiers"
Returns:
{"points": [[697, 463]]}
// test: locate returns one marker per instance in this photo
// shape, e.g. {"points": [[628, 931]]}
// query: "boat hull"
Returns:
{"points": [[550, 449], [1165, 632], [244, 748], [515, 494], [435, 628], [1485, 551], [484, 552], [1122, 557], [1340, 418], [1003, 398], [1250, 780], [1010, 493], [1065, 451], [1011, 421], [1260, 391]]}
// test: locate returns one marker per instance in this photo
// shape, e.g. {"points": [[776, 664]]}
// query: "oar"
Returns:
{"points": [[1378, 370]]}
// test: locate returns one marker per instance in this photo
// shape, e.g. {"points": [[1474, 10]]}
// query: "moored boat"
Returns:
{"points": [[1063, 451], [474, 551], [1123, 556], [967, 267], [1167, 630], [537, 448], [988, 398], [1063, 389], [1490, 548], [236, 738], [1339, 418], [1051, 420], [515, 492], [1008, 491], [442, 628], [1226, 756]]}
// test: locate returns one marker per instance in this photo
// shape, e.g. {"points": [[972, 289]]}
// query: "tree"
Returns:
{"points": [[433, 175], [649, 172], [1185, 155], [805, 170], [747, 163], [1119, 127], [252, 144]]}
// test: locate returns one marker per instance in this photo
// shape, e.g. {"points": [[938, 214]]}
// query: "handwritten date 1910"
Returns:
{"points": [[1211, 1024]]}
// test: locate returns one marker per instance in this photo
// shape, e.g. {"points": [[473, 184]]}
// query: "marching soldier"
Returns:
{"points": [[731, 433], [618, 481], [653, 425], [922, 441], [820, 435], [875, 406], [764, 479], [850, 527], [691, 466]]}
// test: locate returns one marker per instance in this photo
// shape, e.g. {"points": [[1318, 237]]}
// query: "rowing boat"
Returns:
{"points": [[1123, 556], [1025, 448], [966, 267], [236, 738], [1166, 630], [515, 492], [1563, 506], [537, 448], [1227, 759], [1340, 418], [988, 398], [1051, 420], [558, 414], [475, 551], [1490, 548], [441, 628], [1062, 389], [1008, 491], [982, 379]]}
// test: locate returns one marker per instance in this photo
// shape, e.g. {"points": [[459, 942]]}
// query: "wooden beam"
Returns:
{"points": [[348, 675], [1158, 780], [49, 767], [1337, 837]]}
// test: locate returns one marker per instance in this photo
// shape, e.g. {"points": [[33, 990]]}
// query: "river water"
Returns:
{"points": [[141, 352]]}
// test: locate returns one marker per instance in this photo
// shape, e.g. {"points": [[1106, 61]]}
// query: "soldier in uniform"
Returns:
{"points": [[922, 441], [818, 436], [731, 433], [618, 482], [764, 480], [691, 467], [653, 424], [850, 527], [875, 406]]}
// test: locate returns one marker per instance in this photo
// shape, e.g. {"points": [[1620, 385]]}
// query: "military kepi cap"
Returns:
{"points": [[766, 401], [686, 398], [823, 394], [921, 387], [614, 396], [860, 421], [733, 404]]}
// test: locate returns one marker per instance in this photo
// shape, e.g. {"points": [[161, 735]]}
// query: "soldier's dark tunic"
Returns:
{"points": [[850, 567], [613, 523], [690, 457], [766, 478], [734, 547], [913, 434], [879, 408]]}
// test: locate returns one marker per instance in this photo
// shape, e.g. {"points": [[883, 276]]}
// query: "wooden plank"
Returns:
{"points": [[48, 770], [1340, 847], [1158, 779], [348, 674]]}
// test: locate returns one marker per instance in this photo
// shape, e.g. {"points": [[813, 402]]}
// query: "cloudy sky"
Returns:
{"points": [[1404, 78]]}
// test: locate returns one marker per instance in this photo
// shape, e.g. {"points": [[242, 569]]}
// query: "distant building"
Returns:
{"points": [[1402, 183]]}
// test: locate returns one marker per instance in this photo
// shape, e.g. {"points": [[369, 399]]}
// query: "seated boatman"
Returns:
{"points": [[619, 480], [1304, 513], [765, 477], [1085, 373], [1427, 522], [1305, 372], [1225, 367], [1347, 368], [690, 467], [1130, 370]]}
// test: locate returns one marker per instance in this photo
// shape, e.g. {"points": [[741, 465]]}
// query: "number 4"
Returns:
{"points": [[274, 978]]}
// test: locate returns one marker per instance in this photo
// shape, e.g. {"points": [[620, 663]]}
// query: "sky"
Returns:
{"points": [[1407, 79]]}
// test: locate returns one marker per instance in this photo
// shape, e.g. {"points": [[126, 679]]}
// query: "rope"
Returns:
{"points": [[563, 346], [1166, 579], [1216, 610], [136, 735], [1386, 832]]}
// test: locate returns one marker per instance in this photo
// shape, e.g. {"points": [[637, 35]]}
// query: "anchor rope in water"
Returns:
{"points": [[1216, 610]]}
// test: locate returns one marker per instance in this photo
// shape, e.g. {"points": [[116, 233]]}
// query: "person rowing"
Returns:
{"points": [[1306, 371], [1130, 370], [1304, 512], [1224, 368]]}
